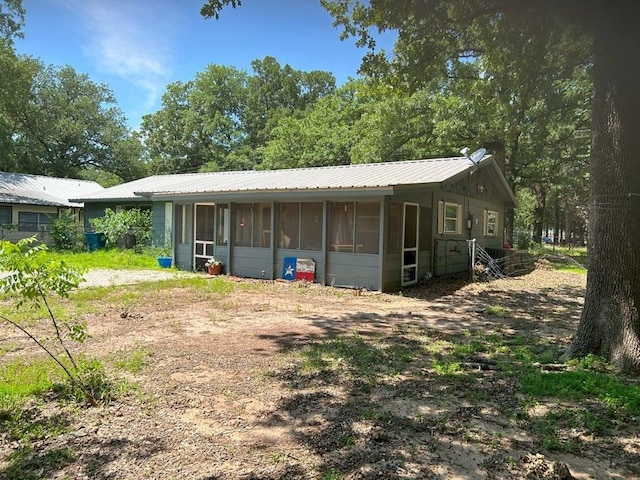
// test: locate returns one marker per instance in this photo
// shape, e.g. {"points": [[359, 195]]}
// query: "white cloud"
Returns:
{"points": [[130, 39]]}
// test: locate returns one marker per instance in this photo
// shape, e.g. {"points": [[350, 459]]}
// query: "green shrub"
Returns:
{"points": [[63, 231], [94, 380], [115, 225], [524, 241]]}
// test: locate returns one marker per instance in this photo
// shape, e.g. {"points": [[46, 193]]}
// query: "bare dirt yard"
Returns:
{"points": [[256, 380]]}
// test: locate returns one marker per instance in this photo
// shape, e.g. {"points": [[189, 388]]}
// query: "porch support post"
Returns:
{"points": [[272, 240], [325, 242], [381, 242]]}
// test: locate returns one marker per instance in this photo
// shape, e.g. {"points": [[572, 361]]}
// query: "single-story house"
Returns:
{"points": [[377, 226], [29, 202]]}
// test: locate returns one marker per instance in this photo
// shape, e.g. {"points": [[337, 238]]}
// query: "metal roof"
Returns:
{"points": [[21, 188], [358, 176]]}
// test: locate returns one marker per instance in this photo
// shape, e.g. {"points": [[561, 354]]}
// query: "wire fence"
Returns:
{"points": [[497, 263]]}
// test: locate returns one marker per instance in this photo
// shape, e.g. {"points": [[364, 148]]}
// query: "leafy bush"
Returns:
{"points": [[92, 376], [63, 231], [32, 278], [524, 241], [115, 225]]}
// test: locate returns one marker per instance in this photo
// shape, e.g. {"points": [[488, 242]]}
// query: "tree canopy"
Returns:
{"points": [[223, 119], [56, 121], [11, 19]]}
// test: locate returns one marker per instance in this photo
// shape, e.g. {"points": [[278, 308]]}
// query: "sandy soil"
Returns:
{"points": [[279, 380]]}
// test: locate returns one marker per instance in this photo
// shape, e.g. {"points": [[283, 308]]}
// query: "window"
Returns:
{"points": [[354, 227], [490, 223], [341, 226], [288, 225], [33, 222], [261, 224], [367, 227], [252, 224], [143, 207], [243, 224], [449, 218], [5, 216], [311, 220]]}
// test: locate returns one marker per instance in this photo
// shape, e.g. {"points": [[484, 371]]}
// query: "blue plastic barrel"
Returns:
{"points": [[94, 240]]}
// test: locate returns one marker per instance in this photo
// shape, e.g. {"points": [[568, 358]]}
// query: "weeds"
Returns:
{"points": [[132, 362], [32, 279]]}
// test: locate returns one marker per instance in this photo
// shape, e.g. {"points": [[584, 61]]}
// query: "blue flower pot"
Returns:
{"points": [[165, 262]]}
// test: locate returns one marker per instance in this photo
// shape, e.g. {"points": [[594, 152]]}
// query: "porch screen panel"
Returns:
{"points": [[341, 231], [367, 227], [410, 229], [243, 223], [288, 225], [204, 222], [261, 224], [311, 219]]}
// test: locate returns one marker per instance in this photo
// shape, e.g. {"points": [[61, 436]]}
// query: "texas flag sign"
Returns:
{"points": [[305, 269], [299, 269], [289, 268]]}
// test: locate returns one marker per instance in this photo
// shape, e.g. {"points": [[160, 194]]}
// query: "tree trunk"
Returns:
{"points": [[610, 321], [497, 147]]}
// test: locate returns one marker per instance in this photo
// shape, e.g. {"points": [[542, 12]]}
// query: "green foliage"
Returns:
{"points": [[114, 225], [63, 231], [223, 118], [32, 279], [133, 361], [95, 383], [399, 126], [571, 268], [516, 83], [322, 135], [144, 258], [103, 178], [524, 241], [63, 123], [11, 19], [351, 354], [32, 275], [580, 385], [19, 379], [497, 310], [446, 368], [523, 218], [211, 8]]}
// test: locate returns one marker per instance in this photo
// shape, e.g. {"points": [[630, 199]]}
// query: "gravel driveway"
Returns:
{"points": [[102, 277]]}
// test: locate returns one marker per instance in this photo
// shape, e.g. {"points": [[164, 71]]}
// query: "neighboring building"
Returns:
{"points": [[29, 202], [376, 226]]}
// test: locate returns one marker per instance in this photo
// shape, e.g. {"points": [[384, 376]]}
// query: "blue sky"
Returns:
{"points": [[137, 47]]}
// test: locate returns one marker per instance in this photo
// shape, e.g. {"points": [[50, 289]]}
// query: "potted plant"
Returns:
{"points": [[165, 256], [214, 267]]}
